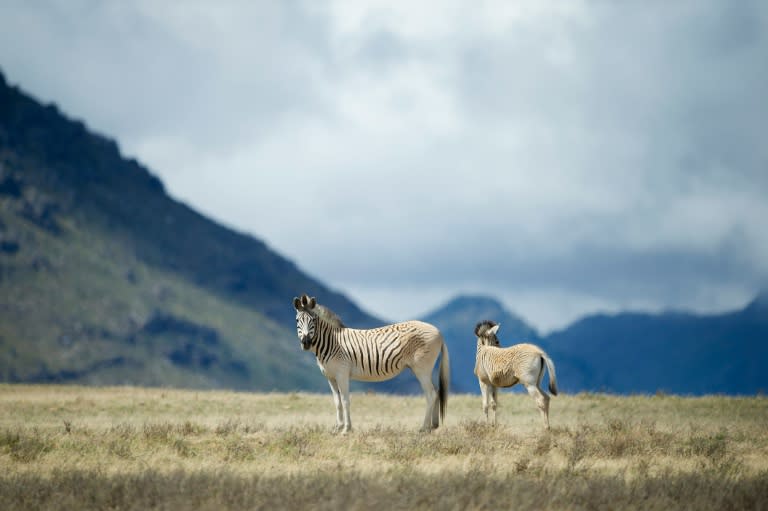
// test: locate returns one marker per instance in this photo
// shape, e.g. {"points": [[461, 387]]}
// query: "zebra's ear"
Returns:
{"points": [[493, 330], [312, 302], [296, 303], [304, 301]]}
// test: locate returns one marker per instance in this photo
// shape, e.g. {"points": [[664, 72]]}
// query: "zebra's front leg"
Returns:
{"points": [[337, 401], [343, 384]]}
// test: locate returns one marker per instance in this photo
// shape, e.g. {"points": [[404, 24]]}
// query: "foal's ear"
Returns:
{"points": [[493, 330], [296, 303], [312, 302]]}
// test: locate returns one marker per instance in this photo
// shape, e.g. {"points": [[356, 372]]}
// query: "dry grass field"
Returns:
{"points": [[134, 448]]}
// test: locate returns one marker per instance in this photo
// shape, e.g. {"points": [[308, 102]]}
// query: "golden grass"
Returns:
{"points": [[135, 448]]}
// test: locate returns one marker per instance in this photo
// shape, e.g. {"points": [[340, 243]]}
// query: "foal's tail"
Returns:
{"points": [[552, 377], [444, 380]]}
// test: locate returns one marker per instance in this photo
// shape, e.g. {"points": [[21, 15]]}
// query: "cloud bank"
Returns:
{"points": [[566, 157]]}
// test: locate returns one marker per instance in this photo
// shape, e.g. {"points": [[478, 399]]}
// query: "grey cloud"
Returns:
{"points": [[143, 69]]}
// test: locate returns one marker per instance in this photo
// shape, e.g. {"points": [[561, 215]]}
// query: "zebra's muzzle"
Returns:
{"points": [[306, 342]]}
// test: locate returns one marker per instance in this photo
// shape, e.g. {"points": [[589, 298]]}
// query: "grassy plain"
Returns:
{"points": [[87, 448]]}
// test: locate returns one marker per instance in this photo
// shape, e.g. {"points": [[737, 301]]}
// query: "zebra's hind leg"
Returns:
{"points": [[337, 401], [432, 417], [343, 383]]}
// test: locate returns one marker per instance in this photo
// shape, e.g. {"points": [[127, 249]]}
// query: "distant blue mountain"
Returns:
{"points": [[678, 353], [626, 353]]}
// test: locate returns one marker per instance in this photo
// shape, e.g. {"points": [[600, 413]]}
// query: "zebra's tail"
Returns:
{"points": [[444, 380], [552, 377]]}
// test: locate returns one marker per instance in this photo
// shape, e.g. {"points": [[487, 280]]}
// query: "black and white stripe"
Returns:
{"points": [[372, 355]]}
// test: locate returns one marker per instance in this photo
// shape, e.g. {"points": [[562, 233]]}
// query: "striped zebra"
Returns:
{"points": [[373, 355], [504, 367]]}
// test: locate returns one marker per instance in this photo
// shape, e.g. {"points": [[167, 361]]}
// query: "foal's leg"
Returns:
{"points": [[436, 413], [542, 402], [484, 390], [494, 392]]}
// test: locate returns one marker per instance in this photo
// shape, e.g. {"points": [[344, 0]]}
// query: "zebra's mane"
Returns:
{"points": [[482, 328], [328, 316]]}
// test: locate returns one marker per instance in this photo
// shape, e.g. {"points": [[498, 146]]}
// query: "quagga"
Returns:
{"points": [[373, 355], [504, 367]]}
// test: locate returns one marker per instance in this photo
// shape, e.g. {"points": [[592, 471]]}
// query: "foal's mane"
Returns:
{"points": [[482, 327]]}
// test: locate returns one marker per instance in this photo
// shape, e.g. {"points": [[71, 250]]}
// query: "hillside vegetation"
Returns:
{"points": [[77, 306], [130, 448]]}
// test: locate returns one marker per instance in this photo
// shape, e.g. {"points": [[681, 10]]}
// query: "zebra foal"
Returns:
{"points": [[377, 354], [504, 367]]}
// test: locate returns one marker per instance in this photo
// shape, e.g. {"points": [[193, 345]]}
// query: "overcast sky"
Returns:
{"points": [[565, 157]]}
